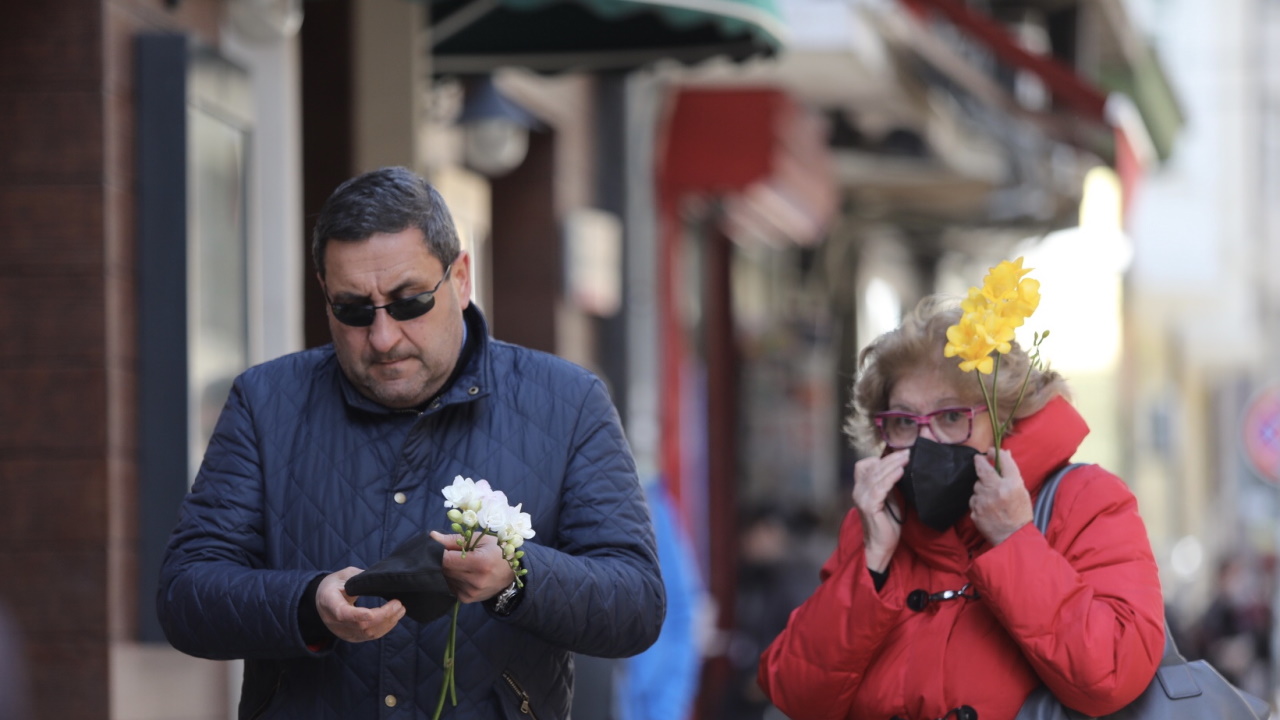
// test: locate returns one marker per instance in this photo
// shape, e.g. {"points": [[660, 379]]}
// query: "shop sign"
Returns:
{"points": [[1261, 429]]}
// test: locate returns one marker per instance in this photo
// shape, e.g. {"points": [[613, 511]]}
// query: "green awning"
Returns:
{"points": [[474, 36], [1144, 80]]}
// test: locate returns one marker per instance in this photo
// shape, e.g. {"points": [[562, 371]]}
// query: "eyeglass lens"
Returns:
{"points": [[357, 315], [948, 426], [401, 310]]}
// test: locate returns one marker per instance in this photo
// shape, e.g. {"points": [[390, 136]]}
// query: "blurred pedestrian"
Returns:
{"points": [[774, 578], [1234, 633], [942, 599]]}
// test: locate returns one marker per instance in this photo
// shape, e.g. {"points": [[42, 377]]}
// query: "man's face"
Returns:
{"points": [[398, 364]]}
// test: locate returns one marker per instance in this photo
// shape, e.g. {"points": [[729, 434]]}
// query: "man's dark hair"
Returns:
{"points": [[388, 200]]}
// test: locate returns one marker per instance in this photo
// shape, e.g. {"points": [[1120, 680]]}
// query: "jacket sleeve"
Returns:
{"points": [[813, 669], [1087, 611], [216, 600], [598, 590]]}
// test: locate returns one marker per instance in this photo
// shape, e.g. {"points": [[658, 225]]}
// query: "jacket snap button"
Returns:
{"points": [[473, 390], [390, 701], [400, 499]]}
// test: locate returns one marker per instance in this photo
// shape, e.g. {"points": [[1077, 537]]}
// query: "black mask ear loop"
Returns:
{"points": [[888, 507]]}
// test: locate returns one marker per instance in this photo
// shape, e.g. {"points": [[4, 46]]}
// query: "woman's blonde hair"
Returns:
{"points": [[917, 346]]}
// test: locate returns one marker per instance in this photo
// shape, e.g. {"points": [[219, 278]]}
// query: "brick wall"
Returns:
{"points": [[67, 337]]}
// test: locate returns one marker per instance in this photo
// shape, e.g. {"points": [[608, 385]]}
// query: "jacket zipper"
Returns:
{"points": [[519, 691]]}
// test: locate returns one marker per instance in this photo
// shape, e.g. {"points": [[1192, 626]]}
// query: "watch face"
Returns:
{"points": [[505, 598]]}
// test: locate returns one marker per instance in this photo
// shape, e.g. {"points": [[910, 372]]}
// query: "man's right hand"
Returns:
{"points": [[348, 622], [873, 478]]}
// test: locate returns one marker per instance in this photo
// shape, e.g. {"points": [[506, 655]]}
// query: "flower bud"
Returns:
{"points": [[455, 515]]}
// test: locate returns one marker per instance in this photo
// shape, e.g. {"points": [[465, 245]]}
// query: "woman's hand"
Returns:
{"points": [[1000, 505], [873, 478]]}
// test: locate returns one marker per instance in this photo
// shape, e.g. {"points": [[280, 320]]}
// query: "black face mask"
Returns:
{"points": [[939, 481]]}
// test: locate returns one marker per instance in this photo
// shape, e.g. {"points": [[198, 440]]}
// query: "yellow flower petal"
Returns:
{"points": [[1001, 282], [976, 302]]}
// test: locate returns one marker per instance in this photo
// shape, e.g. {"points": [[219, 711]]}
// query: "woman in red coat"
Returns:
{"points": [[943, 601]]}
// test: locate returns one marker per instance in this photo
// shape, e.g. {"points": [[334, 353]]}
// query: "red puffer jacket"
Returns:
{"points": [[1081, 610]]}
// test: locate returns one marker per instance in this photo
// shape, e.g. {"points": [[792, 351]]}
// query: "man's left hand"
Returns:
{"points": [[480, 575]]}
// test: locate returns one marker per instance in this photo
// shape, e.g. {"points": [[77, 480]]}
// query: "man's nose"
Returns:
{"points": [[385, 331], [927, 428]]}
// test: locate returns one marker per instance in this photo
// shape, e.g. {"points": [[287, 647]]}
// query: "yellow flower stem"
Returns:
{"points": [[1021, 393], [993, 410]]}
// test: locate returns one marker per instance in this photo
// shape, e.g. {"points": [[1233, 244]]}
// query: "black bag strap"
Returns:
{"points": [[1044, 501], [1043, 511]]}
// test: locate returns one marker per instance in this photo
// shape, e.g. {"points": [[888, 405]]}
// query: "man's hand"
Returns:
{"points": [[344, 619], [480, 575]]}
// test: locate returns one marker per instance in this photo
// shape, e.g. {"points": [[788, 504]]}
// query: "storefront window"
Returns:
{"points": [[194, 141], [217, 330]]}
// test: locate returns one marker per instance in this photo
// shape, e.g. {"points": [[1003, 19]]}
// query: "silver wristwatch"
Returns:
{"points": [[506, 601]]}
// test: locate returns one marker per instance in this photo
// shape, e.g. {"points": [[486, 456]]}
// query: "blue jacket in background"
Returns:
{"points": [[661, 683], [301, 478]]}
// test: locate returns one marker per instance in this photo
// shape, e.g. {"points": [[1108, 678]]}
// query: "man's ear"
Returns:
{"points": [[461, 270]]}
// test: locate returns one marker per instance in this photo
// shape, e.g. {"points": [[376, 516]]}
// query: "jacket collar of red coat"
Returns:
{"points": [[1040, 443]]}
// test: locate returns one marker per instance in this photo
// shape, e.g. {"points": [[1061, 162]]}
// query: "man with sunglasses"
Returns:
{"points": [[326, 460]]}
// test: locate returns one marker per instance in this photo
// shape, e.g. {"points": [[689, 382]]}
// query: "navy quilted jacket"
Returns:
{"points": [[305, 476]]}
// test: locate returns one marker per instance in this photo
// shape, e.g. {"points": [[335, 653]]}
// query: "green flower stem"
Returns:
{"points": [[471, 537], [449, 648], [449, 688], [993, 410], [453, 655], [1021, 393]]}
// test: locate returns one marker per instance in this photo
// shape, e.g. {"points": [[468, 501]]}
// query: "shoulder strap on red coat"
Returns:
{"points": [[1044, 501]]}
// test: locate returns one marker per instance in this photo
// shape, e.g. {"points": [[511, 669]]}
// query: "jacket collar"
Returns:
{"points": [[1043, 442], [474, 382]]}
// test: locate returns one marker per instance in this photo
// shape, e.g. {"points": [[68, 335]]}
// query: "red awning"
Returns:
{"points": [[759, 152]]}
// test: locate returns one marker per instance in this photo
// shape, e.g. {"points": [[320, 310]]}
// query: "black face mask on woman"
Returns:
{"points": [[938, 482]]}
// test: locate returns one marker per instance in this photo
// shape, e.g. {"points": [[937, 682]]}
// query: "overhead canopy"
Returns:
{"points": [[475, 36], [1138, 75]]}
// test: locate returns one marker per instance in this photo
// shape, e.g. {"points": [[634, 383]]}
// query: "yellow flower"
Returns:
{"points": [[975, 337], [1001, 282], [1023, 303], [986, 330]]}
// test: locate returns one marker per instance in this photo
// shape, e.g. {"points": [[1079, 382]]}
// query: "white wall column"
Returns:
{"points": [[391, 71]]}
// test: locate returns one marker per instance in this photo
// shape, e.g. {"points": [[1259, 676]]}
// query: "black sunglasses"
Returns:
{"points": [[403, 309]]}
